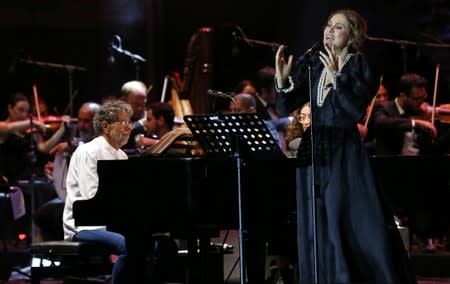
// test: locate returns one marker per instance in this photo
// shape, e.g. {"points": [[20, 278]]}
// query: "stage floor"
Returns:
{"points": [[430, 268]]}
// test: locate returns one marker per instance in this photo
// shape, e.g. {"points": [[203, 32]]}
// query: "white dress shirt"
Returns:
{"points": [[82, 178]]}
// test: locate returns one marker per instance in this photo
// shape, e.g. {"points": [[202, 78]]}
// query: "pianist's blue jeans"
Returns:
{"points": [[116, 243]]}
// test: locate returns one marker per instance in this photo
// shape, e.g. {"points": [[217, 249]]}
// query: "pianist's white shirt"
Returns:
{"points": [[82, 178]]}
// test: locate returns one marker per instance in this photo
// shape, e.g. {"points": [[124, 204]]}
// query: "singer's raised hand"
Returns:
{"points": [[330, 60], [282, 68]]}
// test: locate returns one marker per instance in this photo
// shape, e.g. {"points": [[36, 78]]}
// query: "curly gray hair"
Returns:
{"points": [[109, 112]]}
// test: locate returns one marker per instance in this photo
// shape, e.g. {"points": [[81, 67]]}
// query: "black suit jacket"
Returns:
{"points": [[388, 128], [261, 109]]}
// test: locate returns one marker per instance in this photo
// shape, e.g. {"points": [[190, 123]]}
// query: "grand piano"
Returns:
{"points": [[193, 198], [188, 195]]}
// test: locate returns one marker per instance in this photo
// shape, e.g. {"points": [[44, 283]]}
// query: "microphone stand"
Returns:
{"points": [[403, 45], [252, 42], [69, 68], [116, 45], [32, 159], [314, 188], [217, 94], [236, 153]]}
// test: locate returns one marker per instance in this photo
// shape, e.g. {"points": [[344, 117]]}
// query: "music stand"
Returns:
{"points": [[235, 136]]}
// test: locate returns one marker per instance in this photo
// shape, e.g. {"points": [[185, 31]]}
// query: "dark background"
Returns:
{"points": [[78, 33]]}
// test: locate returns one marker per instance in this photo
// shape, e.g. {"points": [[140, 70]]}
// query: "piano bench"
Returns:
{"points": [[61, 259]]}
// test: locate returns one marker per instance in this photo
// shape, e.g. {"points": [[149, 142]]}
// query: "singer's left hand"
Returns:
{"points": [[330, 60]]}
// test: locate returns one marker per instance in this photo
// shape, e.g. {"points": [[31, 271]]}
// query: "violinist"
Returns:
{"points": [[22, 142], [159, 121], [399, 126], [23, 154]]}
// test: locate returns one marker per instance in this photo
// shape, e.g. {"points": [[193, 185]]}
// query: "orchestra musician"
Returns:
{"points": [[402, 127], [159, 121], [24, 152], [135, 93], [18, 139], [398, 124]]}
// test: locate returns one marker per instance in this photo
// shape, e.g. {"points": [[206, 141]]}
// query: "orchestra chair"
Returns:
{"points": [[62, 259]]}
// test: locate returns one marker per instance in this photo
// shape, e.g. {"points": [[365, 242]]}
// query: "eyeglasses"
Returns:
{"points": [[303, 117], [419, 99], [124, 123]]}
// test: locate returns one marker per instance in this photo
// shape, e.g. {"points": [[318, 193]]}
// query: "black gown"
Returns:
{"points": [[353, 237]]}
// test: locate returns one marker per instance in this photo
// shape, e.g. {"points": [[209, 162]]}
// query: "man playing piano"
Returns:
{"points": [[112, 123]]}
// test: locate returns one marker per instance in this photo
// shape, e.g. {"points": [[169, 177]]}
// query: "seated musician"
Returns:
{"points": [[246, 103], [159, 121], [395, 124], [18, 141], [300, 122], [112, 122], [400, 127], [135, 94], [24, 150]]}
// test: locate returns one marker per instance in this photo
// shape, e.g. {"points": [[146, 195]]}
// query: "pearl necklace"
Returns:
{"points": [[321, 88]]}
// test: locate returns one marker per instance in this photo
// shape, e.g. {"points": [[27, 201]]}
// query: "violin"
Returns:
{"points": [[441, 113], [52, 122], [436, 113]]}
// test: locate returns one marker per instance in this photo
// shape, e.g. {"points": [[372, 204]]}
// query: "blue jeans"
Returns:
{"points": [[115, 243]]}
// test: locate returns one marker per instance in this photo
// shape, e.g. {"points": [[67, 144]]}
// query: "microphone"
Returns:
{"points": [[114, 45], [307, 55], [12, 65], [111, 59], [221, 95], [234, 44], [17, 58]]}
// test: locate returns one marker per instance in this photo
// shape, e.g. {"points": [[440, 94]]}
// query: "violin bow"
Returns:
{"points": [[369, 112], [36, 102], [436, 79]]}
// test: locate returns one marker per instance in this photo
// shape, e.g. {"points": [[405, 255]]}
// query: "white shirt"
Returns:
{"points": [[410, 147], [82, 178]]}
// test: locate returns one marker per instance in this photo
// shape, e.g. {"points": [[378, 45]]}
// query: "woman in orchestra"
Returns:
{"points": [[300, 122], [22, 142], [24, 152]]}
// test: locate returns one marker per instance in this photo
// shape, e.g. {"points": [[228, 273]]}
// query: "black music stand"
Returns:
{"points": [[240, 136]]}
